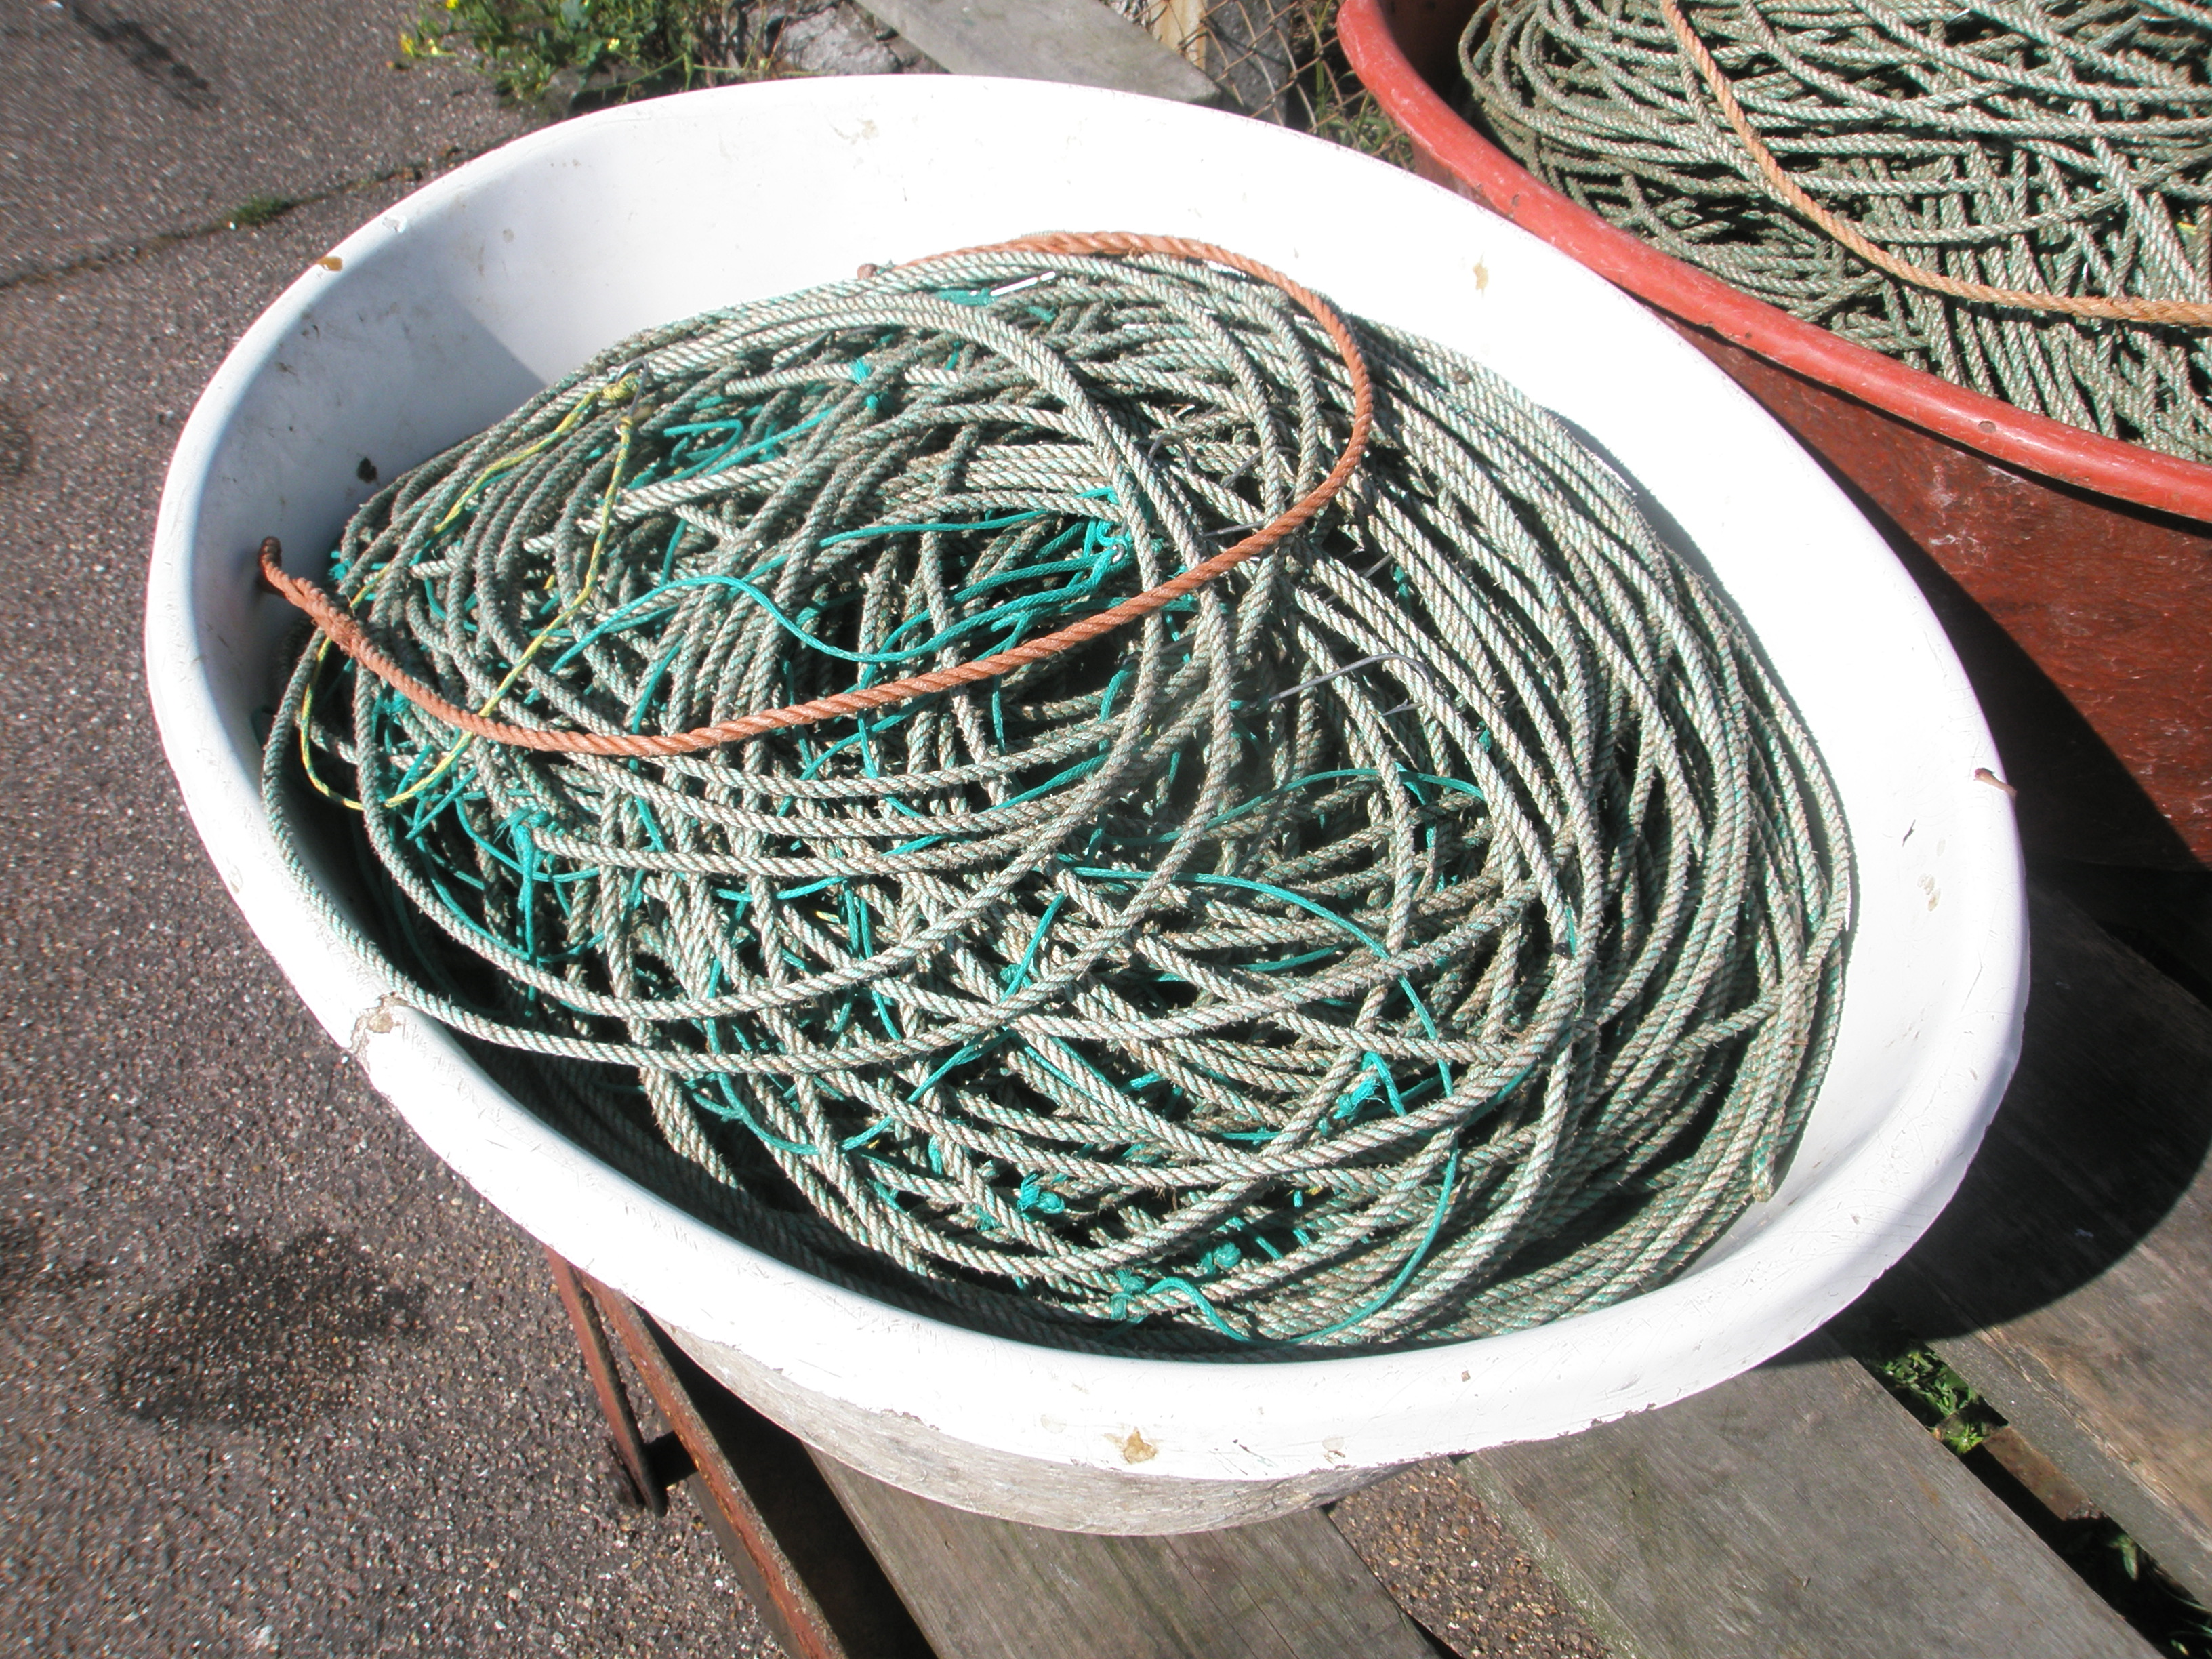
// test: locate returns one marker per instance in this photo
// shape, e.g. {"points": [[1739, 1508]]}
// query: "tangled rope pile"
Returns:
{"points": [[1432, 926], [2014, 195]]}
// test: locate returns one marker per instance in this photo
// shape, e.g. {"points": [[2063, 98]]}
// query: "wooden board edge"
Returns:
{"points": [[2033, 1405], [1127, 57]]}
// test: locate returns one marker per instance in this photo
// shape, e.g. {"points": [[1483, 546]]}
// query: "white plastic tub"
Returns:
{"points": [[450, 308]]}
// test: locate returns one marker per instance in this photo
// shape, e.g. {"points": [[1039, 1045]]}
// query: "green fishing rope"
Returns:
{"points": [[1432, 927], [2060, 147]]}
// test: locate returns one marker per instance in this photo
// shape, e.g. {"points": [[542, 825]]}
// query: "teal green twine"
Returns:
{"points": [[2059, 147], [1432, 927]]}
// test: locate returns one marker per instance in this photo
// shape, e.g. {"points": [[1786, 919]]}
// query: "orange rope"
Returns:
{"points": [[347, 634]]}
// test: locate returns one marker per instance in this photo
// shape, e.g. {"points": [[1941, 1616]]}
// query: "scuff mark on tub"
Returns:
{"points": [[373, 1021]]}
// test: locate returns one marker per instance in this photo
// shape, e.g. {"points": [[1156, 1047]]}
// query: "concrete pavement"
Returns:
{"points": [[120, 122], [271, 1379]]}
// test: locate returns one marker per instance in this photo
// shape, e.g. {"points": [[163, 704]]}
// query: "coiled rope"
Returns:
{"points": [[1430, 925], [2015, 197]]}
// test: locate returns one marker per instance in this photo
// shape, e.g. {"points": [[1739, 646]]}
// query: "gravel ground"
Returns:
{"points": [[120, 121], [1445, 1559], [271, 1380]]}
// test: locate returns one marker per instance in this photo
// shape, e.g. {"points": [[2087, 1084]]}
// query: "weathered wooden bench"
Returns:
{"points": [[1799, 1510]]}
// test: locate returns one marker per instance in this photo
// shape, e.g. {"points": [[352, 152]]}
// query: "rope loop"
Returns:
{"points": [[2012, 195], [2190, 313], [1437, 927], [343, 631]]}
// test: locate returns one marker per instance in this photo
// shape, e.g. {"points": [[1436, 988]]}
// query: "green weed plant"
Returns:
{"points": [[635, 47]]}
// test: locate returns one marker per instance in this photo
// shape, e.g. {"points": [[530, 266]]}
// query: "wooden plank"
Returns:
{"points": [[1080, 41], [2165, 914], [981, 1589], [1180, 25], [2070, 1281], [1794, 1513], [811, 1578]]}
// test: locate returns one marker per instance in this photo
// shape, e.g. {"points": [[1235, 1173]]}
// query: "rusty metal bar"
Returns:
{"points": [[787, 1604], [599, 1362]]}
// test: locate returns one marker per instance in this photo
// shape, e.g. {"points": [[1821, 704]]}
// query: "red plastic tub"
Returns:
{"points": [[2074, 571]]}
